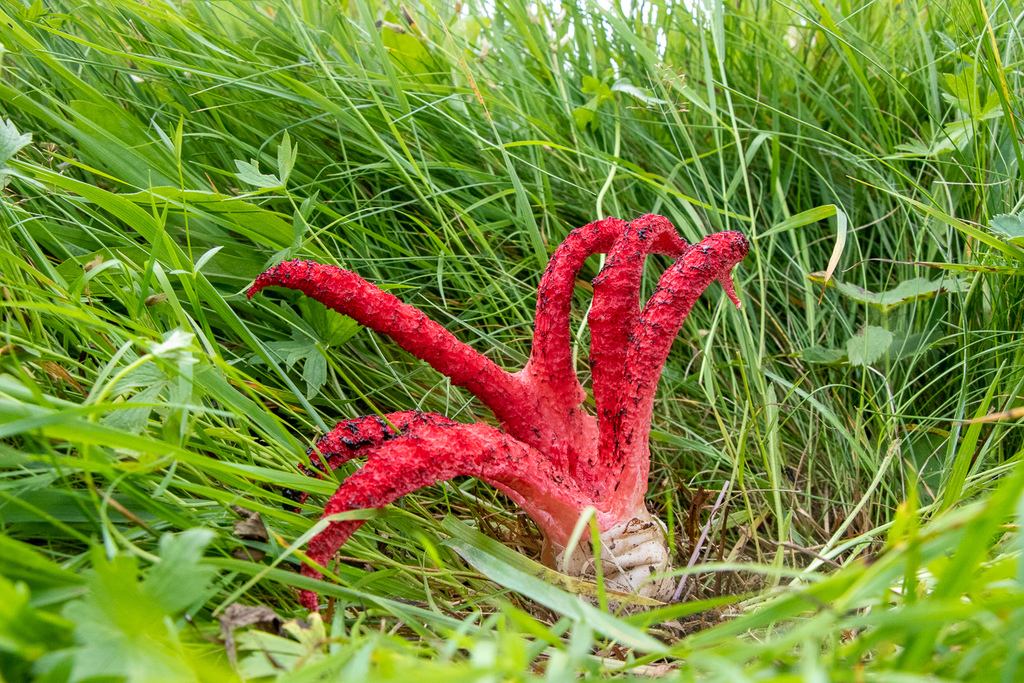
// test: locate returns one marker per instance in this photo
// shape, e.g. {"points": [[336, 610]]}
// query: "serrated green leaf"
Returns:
{"points": [[179, 580], [1009, 225], [119, 630], [408, 52], [331, 327], [868, 345], [315, 373], [122, 625], [134, 420], [250, 173]]}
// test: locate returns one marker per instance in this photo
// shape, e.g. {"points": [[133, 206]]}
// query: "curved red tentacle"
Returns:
{"points": [[431, 452], [351, 295], [349, 437], [615, 310], [566, 432], [550, 362], [628, 459], [550, 368]]}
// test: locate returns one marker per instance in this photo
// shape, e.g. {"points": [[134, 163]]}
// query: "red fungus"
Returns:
{"points": [[551, 457]]}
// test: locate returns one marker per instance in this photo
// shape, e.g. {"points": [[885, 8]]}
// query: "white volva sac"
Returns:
{"points": [[631, 551]]}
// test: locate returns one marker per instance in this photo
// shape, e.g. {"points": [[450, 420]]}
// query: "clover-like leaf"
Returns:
{"points": [[592, 86]]}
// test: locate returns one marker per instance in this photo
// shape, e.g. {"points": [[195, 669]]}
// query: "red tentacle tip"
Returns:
{"points": [[281, 274], [734, 247]]}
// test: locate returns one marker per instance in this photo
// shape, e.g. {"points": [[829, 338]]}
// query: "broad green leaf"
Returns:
{"points": [[250, 173], [583, 117], [962, 91], [331, 327], [592, 86], [179, 580], [122, 625], [868, 345], [408, 52], [1009, 225], [314, 372], [134, 420], [908, 291], [11, 141]]}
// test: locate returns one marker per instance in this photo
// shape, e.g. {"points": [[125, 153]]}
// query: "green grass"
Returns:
{"points": [[872, 534]]}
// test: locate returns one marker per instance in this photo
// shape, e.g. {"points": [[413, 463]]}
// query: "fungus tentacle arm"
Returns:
{"points": [[627, 462], [428, 453], [615, 310], [550, 368], [350, 437], [566, 432], [550, 362], [351, 295]]}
